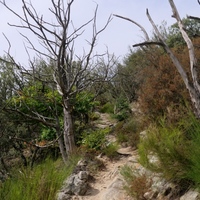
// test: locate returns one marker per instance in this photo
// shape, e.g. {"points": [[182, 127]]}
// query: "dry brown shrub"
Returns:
{"points": [[163, 88]]}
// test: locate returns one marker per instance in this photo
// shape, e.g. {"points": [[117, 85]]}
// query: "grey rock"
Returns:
{"points": [[114, 190], [76, 184], [150, 195], [191, 195], [79, 186], [83, 175], [63, 196]]}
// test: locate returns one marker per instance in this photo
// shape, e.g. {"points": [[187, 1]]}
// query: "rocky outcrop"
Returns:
{"points": [[191, 195], [115, 190], [76, 184]]}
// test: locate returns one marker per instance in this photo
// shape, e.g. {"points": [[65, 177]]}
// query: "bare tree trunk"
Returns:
{"points": [[68, 128], [61, 145]]}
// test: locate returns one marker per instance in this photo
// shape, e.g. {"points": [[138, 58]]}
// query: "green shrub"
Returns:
{"points": [[94, 116], [168, 145], [122, 109], [41, 182], [177, 149], [122, 137], [107, 108], [111, 150], [95, 139], [128, 131]]}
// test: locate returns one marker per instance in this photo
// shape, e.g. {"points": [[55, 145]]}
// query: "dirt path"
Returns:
{"points": [[108, 183]]}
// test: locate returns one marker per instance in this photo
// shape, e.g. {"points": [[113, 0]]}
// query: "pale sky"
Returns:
{"points": [[119, 35]]}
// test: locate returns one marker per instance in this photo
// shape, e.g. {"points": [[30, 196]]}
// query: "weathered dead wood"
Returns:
{"points": [[193, 87], [141, 27]]}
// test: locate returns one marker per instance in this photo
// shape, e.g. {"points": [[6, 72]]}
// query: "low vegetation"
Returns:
{"points": [[176, 148], [54, 103], [136, 185], [41, 182]]}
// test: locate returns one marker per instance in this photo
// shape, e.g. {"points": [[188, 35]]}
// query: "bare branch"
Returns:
{"points": [[141, 27], [33, 118], [9, 44], [192, 17], [193, 60], [148, 43]]}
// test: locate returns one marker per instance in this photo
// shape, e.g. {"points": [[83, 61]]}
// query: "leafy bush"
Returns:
{"points": [[111, 150], [122, 110], [83, 104], [128, 131], [95, 139], [41, 182], [107, 108], [48, 134]]}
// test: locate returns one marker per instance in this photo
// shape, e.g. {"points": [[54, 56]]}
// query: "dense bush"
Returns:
{"points": [[163, 89], [177, 149], [122, 110], [128, 131], [107, 108], [94, 139]]}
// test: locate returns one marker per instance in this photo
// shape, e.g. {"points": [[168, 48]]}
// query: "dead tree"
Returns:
{"points": [[58, 39], [192, 84]]}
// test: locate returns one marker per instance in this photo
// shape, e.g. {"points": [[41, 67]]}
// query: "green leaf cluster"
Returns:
{"points": [[38, 97], [95, 139]]}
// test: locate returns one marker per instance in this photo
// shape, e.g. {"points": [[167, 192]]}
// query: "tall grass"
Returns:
{"points": [[177, 148], [136, 185], [40, 183]]}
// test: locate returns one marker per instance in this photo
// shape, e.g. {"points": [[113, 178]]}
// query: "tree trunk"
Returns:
{"points": [[195, 98], [69, 140], [61, 146]]}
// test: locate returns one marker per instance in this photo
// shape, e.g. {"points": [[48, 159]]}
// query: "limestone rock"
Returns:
{"points": [[151, 195], [76, 184], [125, 151], [63, 196], [191, 195], [114, 190]]}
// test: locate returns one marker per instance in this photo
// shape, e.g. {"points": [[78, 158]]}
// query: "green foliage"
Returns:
{"points": [[42, 182], [107, 108], [122, 109], [94, 116], [128, 131], [122, 137], [166, 143], [128, 77], [111, 150], [48, 134], [37, 97], [95, 139], [84, 102], [177, 149], [175, 39]]}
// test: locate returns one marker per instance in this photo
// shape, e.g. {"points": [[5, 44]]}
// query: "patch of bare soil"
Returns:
{"points": [[108, 184]]}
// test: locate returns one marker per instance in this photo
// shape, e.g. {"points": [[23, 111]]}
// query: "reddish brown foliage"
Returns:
{"points": [[163, 91]]}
